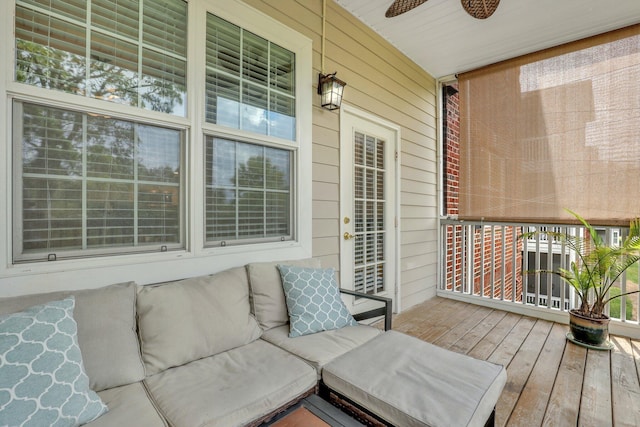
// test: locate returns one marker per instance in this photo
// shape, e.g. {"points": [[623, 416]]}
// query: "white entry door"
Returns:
{"points": [[368, 190]]}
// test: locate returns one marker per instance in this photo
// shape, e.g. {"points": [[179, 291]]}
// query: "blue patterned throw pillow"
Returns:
{"points": [[313, 300], [42, 378]]}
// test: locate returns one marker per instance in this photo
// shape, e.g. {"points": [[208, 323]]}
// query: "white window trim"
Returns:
{"points": [[196, 259]]}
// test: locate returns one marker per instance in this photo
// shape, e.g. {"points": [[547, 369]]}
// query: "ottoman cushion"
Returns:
{"points": [[409, 382]]}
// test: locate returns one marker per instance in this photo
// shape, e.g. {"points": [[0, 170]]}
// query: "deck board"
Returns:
{"points": [[535, 394], [625, 388], [595, 408], [551, 382], [564, 403], [519, 370], [480, 331]]}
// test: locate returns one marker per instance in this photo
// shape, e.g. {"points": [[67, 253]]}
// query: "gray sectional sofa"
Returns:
{"points": [[204, 351]]}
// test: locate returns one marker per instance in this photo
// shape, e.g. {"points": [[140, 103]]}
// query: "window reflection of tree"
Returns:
{"points": [[259, 194]]}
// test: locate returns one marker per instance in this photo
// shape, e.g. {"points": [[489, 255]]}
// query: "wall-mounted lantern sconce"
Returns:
{"points": [[330, 89]]}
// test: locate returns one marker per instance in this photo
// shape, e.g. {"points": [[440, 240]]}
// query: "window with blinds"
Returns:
{"points": [[125, 51], [250, 87], [248, 192], [101, 133], [250, 82], [91, 184]]}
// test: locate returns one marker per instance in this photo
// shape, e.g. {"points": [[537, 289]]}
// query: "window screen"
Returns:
{"points": [[91, 184], [248, 191]]}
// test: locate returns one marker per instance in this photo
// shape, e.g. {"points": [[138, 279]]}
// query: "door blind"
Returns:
{"points": [[369, 207]]}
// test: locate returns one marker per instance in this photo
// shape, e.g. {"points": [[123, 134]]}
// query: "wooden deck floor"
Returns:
{"points": [[551, 381]]}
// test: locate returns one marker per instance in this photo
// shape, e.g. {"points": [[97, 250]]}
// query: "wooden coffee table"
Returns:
{"points": [[314, 412]]}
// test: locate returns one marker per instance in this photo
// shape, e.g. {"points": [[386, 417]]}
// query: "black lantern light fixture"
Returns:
{"points": [[330, 88]]}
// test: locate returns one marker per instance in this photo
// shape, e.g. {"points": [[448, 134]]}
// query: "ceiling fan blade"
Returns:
{"points": [[401, 6], [480, 9]]}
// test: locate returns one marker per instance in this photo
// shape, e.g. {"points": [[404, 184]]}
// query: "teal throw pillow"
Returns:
{"points": [[313, 300], [42, 378]]}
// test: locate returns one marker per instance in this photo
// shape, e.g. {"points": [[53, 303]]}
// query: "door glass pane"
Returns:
{"points": [[358, 149], [369, 217]]}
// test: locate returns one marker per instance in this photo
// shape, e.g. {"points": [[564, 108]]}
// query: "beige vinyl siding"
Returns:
{"points": [[382, 81]]}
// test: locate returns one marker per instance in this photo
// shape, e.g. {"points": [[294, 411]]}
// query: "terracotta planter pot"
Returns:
{"points": [[588, 330]]}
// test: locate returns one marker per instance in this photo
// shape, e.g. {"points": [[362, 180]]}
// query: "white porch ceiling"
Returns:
{"points": [[444, 40]]}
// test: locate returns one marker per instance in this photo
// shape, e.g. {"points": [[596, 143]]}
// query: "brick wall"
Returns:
{"points": [[484, 240]]}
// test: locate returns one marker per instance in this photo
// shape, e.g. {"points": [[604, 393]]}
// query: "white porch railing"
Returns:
{"points": [[483, 263]]}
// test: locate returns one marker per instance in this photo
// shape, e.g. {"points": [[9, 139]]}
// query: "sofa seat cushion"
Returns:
{"points": [[409, 382], [107, 337], [190, 319], [128, 405], [231, 388], [267, 295], [321, 348]]}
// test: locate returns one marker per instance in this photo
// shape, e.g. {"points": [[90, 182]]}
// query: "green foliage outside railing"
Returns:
{"points": [[614, 305]]}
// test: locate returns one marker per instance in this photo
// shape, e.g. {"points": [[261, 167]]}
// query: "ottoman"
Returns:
{"points": [[408, 382]]}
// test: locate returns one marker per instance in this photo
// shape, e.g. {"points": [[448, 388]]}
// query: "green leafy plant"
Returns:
{"points": [[598, 265]]}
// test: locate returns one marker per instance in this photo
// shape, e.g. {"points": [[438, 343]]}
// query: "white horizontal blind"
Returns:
{"points": [[250, 81], [95, 184], [248, 192], [58, 41]]}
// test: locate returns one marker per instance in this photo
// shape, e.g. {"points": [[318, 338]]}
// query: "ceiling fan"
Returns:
{"points": [[480, 9]]}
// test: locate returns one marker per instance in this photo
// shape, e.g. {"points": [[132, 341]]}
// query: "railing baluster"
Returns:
{"points": [[537, 267], [549, 267], [514, 260], [482, 259], [563, 264], [475, 252], [493, 261], [470, 259]]}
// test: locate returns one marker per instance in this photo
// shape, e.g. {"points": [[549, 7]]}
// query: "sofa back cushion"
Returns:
{"points": [[267, 295], [106, 331], [194, 318]]}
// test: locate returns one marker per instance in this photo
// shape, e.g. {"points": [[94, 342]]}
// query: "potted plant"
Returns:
{"points": [[597, 267]]}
